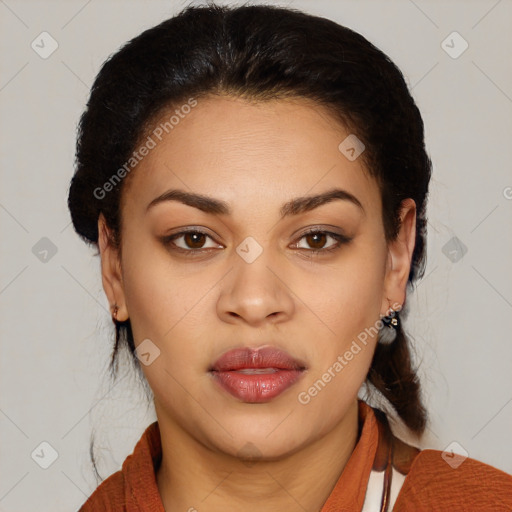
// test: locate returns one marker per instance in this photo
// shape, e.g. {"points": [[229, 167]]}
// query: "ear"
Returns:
{"points": [[111, 274], [399, 259]]}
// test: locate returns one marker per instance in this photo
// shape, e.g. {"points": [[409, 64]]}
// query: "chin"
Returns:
{"points": [[263, 439], [260, 449]]}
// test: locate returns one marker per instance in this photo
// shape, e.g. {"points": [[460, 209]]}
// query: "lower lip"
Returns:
{"points": [[256, 388]]}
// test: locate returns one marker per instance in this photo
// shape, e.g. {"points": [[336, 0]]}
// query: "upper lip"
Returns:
{"points": [[265, 357]]}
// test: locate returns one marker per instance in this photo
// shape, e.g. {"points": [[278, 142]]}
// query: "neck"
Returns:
{"points": [[192, 477]]}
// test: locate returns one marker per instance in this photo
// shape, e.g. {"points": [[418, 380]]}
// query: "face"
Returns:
{"points": [[256, 310]]}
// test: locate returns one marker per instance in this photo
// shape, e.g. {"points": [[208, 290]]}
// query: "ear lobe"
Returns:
{"points": [[400, 256], [111, 274]]}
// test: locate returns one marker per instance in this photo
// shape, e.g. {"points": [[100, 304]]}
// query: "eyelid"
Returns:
{"points": [[323, 228]]}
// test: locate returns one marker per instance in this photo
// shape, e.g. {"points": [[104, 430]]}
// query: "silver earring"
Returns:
{"points": [[391, 323]]}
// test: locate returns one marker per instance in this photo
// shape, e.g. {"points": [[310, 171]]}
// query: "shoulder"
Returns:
{"points": [[109, 496], [135, 482], [436, 482]]}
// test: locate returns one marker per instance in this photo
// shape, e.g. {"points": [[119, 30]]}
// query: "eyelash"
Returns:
{"points": [[340, 239]]}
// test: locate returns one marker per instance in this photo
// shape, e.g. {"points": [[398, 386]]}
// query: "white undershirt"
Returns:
{"points": [[375, 487]]}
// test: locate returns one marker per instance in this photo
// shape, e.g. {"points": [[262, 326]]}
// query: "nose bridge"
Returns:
{"points": [[255, 291], [253, 280]]}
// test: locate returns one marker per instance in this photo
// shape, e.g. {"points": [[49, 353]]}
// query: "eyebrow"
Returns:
{"points": [[295, 206]]}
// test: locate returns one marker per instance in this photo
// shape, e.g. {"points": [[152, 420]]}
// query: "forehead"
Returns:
{"points": [[249, 153]]}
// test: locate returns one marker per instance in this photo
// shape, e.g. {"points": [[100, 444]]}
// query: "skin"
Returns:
{"points": [[255, 156]]}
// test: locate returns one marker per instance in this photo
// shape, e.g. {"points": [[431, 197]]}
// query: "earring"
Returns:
{"points": [[391, 323], [114, 312]]}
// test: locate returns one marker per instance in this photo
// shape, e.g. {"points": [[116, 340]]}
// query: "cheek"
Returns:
{"points": [[166, 303], [162, 306], [345, 298], [156, 295], [346, 301]]}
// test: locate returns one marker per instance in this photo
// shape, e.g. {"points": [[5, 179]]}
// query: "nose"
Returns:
{"points": [[255, 293]]}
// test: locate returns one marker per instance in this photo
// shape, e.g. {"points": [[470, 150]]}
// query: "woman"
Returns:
{"points": [[255, 179]]}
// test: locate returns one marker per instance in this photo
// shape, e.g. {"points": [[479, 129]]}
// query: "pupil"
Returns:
{"points": [[316, 235], [194, 237]]}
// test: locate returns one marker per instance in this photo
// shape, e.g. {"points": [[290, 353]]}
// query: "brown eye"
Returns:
{"points": [[316, 241], [194, 240], [189, 242]]}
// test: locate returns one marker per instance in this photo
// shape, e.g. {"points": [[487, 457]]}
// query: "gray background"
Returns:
{"points": [[56, 331]]}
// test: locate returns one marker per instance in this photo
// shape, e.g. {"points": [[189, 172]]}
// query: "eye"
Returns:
{"points": [[318, 238], [189, 242]]}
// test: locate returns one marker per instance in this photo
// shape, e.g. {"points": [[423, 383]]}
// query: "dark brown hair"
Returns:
{"points": [[261, 52]]}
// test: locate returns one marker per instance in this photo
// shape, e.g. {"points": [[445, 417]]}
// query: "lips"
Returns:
{"points": [[256, 375]]}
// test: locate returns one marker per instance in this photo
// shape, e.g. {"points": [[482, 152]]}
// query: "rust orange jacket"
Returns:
{"points": [[426, 480]]}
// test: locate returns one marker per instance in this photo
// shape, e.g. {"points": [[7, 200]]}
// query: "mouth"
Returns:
{"points": [[256, 376]]}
